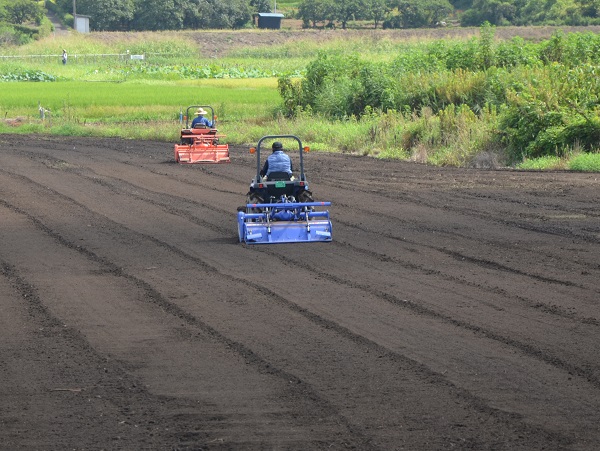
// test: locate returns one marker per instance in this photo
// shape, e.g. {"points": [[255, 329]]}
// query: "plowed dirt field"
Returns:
{"points": [[454, 309]]}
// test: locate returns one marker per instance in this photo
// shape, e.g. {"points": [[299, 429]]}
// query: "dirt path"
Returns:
{"points": [[455, 309], [59, 28]]}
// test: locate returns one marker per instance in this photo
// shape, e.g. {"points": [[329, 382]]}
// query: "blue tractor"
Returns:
{"points": [[280, 208]]}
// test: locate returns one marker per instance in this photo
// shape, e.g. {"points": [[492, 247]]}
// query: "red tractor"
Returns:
{"points": [[199, 143]]}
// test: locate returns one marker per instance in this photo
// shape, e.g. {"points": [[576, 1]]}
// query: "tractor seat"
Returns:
{"points": [[278, 176]]}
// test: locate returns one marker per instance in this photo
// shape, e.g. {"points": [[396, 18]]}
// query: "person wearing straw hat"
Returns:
{"points": [[64, 56], [200, 119]]}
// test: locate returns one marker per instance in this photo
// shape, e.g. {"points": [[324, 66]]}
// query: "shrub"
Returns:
{"points": [[588, 162], [542, 163]]}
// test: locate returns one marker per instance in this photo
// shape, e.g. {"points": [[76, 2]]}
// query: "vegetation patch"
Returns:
{"points": [[585, 162], [477, 101]]}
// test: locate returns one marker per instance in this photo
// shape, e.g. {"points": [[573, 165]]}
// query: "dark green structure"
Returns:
{"points": [[270, 21]]}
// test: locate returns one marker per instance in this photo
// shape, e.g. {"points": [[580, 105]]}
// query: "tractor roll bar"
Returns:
{"points": [[300, 148]]}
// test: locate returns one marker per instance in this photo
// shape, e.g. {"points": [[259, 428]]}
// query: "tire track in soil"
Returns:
{"points": [[467, 212], [294, 265], [587, 374], [296, 386], [476, 261], [551, 310], [112, 392], [457, 255], [299, 387], [416, 201], [167, 206]]}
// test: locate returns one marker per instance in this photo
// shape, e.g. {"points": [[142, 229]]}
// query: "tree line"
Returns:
{"points": [[428, 13], [154, 15]]}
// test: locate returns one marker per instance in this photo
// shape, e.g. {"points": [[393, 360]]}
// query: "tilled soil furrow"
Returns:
{"points": [[417, 307], [586, 373], [169, 200], [455, 308], [397, 362], [458, 255], [462, 323], [430, 270], [340, 207], [80, 385], [199, 332], [464, 257]]}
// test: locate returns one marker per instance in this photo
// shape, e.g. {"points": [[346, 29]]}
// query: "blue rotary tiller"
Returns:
{"points": [[280, 208]]}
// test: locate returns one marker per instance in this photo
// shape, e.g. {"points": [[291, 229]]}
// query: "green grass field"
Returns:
{"points": [[103, 93], [140, 100], [136, 109]]}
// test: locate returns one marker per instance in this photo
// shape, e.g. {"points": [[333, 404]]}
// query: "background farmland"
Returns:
{"points": [[448, 96]]}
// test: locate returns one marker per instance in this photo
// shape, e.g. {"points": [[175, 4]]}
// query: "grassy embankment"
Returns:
{"points": [[112, 95]]}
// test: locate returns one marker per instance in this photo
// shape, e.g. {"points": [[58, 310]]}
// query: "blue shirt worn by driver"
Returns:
{"points": [[278, 161], [201, 120]]}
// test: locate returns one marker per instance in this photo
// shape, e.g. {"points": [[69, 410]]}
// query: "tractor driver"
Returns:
{"points": [[200, 119], [278, 161]]}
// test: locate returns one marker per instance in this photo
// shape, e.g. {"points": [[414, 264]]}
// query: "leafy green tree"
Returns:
{"points": [[196, 14], [410, 14], [107, 15], [437, 10], [66, 6], [347, 10], [215, 13], [561, 11], [313, 12], [3, 11], [590, 8], [422, 13], [158, 15], [230, 14], [21, 11], [496, 12], [260, 6], [377, 10]]}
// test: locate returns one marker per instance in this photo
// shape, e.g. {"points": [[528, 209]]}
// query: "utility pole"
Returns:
{"points": [[74, 10]]}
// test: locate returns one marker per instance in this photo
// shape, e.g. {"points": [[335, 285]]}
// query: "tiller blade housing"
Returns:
{"points": [[287, 222]]}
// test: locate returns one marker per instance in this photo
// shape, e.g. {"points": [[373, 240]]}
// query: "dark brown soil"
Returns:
{"points": [[454, 309]]}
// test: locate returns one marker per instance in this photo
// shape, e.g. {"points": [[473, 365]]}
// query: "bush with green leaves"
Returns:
{"points": [[586, 162], [554, 109], [544, 107]]}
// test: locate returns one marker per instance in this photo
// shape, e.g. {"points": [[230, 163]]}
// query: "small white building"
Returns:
{"points": [[81, 23]]}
